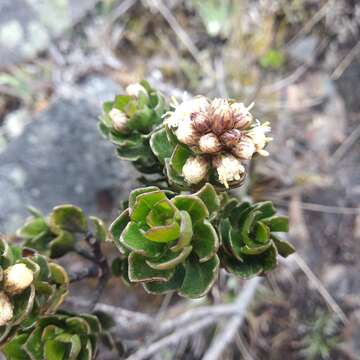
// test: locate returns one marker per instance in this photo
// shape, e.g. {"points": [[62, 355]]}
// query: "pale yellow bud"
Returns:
{"points": [[6, 309], [136, 90], [209, 144], [195, 169], [184, 110], [186, 133], [244, 149], [119, 120], [242, 116], [221, 116], [17, 278], [229, 169]]}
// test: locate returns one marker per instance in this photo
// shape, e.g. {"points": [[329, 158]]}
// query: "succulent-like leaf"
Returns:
{"points": [[68, 217], [205, 241], [199, 277]]}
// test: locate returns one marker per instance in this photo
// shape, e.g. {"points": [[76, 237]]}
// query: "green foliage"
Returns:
{"points": [[249, 245], [57, 337], [143, 113], [169, 240], [321, 338], [56, 235], [273, 59], [42, 294]]}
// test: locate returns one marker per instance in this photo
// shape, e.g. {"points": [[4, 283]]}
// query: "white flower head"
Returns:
{"points": [[229, 169], [136, 90], [184, 110], [259, 138], [186, 133], [6, 309], [17, 278], [195, 169]]}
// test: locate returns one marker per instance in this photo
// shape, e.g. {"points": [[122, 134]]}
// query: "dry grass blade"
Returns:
{"points": [[224, 338]]}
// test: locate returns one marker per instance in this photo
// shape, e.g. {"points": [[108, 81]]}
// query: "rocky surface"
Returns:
{"points": [[27, 26], [61, 158]]}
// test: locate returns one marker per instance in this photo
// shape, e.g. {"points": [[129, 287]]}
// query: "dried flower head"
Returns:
{"points": [[220, 127], [119, 120], [17, 278], [195, 169], [6, 309]]}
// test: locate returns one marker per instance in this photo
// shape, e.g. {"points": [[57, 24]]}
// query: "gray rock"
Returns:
{"points": [[61, 158], [26, 26], [303, 49]]}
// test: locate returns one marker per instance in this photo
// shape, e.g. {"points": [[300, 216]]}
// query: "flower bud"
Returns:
{"points": [[242, 116], [6, 309], [195, 169], [17, 278], [231, 137], [183, 111], [244, 149], [119, 120], [186, 133], [200, 121], [260, 140], [229, 169], [136, 90], [209, 144], [221, 116]]}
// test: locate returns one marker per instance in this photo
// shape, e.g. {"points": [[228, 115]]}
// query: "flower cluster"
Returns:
{"points": [[221, 134], [31, 286]]}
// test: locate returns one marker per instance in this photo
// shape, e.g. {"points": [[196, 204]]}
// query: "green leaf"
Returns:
{"points": [[205, 241], [210, 198], [121, 101], [170, 259], [144, 204], [283, 247], [62, 244], [186, 231], [251, 219], [266, 207], [140, 271], [262, 233], [75, 344], [119, 224], [236, 243], [179, 157], [142, 120], [254, 250], [58, 274], [162, 287], [246, 269], [162, 211], [100, 232], [33, 227], [177, 181], [133, 239], [54, 350], [277, 223], [199, 277], [68, 217], [160, 145], [163, 234], [13, 350], [193, 205]]}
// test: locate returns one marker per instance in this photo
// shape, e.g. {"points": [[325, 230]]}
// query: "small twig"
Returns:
{"points": [[345, 63], [320, 288], [321, 208], [344, 147], [149, 350], [223, 339]]}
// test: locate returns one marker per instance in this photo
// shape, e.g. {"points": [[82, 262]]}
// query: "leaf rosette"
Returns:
{"points": [[169, 240], [128, 122], [57, 234], [249, 243], [57, 337], [30, 286]]}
